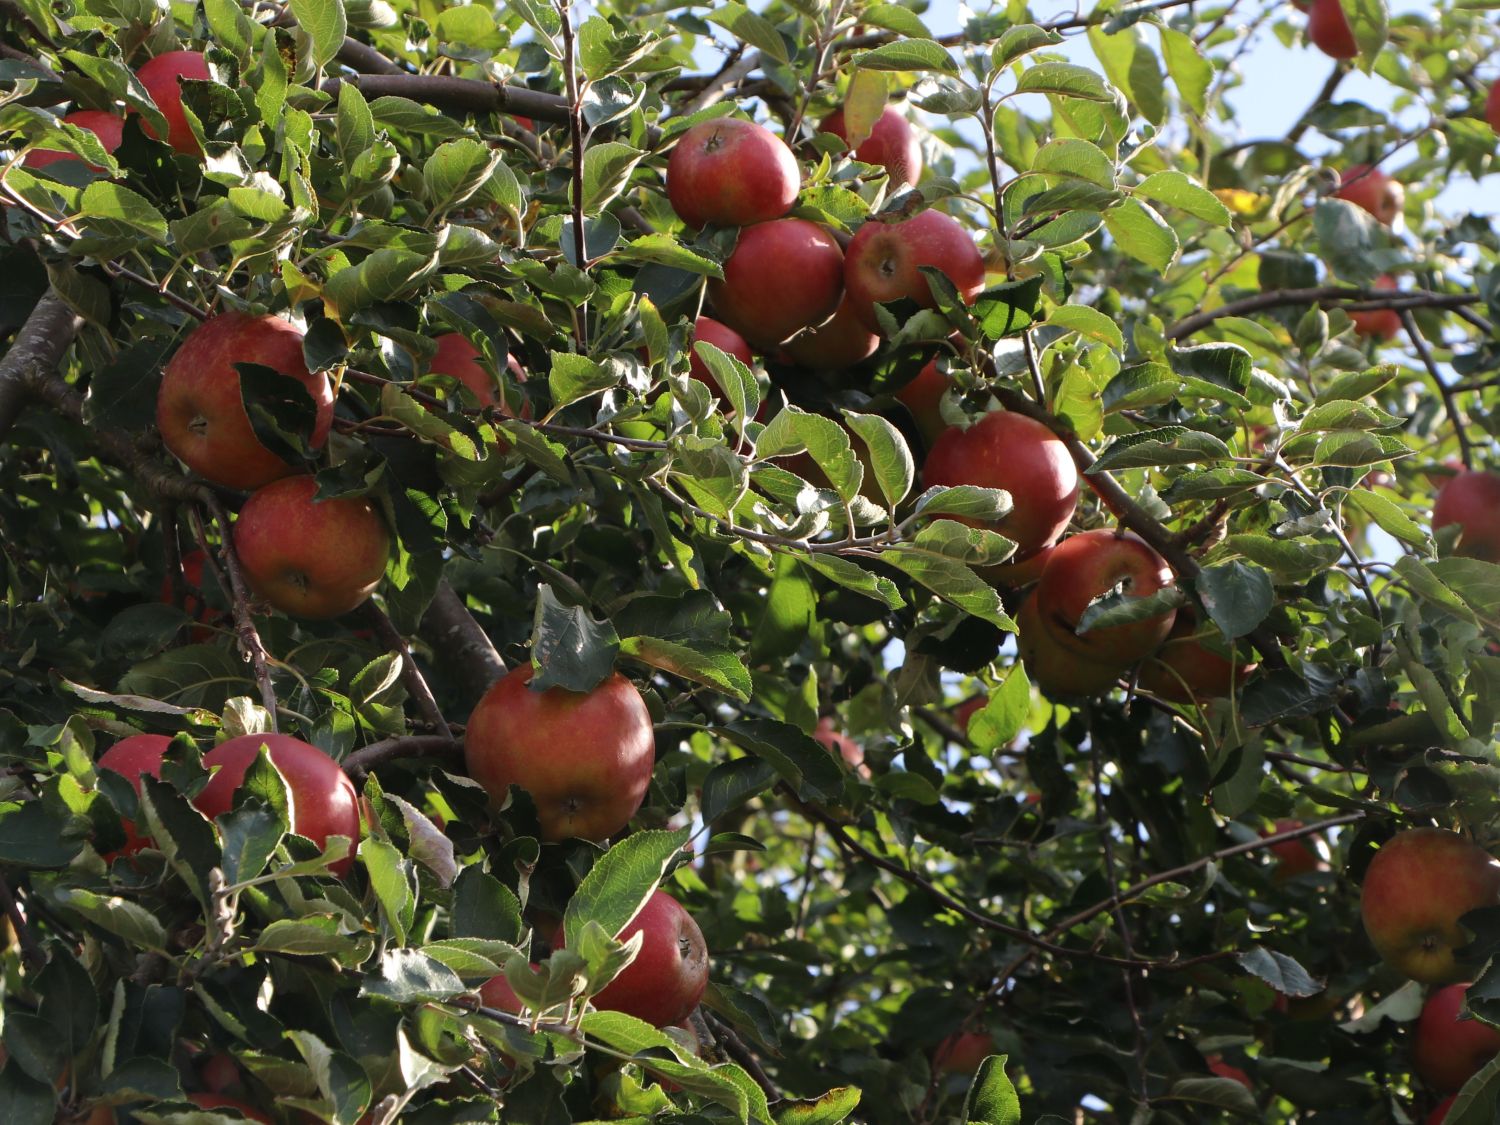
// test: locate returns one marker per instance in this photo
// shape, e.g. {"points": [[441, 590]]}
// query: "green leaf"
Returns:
{"points": [[992, 1099], [895, 17], [386, 868], [753, 28], [793, 430], [1281, 972], [105, 199], [119, 916], [1179, 190], [575, 377], [718, 668], [1217, 1093], [735, 379], [908, 54], [1133, 67], [1004, 714], [1065, 80], [1075, 159], [233, 30], [1088, 322], [802, 763], [484, 907], [1142, 234], [1191, 72], [965, 501], [1370, 22], [32, 835], [1169, 445], [953, 582], [455, 172], [616, 888], [408, 976], [569, 649], [730, 784], [889, 457], [1008, 309], [975, 546], [606, 171], [789, 614], [1237, 596], [1019, 41], [664, 250], [325, 22], [1389, 517]]}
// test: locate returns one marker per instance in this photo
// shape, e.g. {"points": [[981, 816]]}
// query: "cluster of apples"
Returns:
{"points": [[161, 77]]}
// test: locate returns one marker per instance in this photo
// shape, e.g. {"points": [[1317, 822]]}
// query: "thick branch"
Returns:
{"points": [[451, 631], [362, 761], [1352, 300], [38, 348], [411, 675], [461, 95], [244, 625]]}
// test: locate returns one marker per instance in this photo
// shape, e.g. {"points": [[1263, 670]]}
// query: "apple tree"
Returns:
{"points": [[825, 562]]}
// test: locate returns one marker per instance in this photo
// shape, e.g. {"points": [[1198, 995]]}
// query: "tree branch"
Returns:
{"points": [[460, 95], [451, 631], [38, 348], [411, 675], [1326, 296], [1450, 403], [244, 625], [362, 761]]}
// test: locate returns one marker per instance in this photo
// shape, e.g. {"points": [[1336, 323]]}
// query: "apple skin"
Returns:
{"points": [[1017, 575], [131, 758], [1471, 499], [497, 993], [1370, 188], [728, 341], [1293, 857], [666, 980], [892, 144], [1082, 568], [311, 558], [1020, 455], [1329, 30], [883, 260], [837, 742], [731, 172], [1218, 1067], [585, 757], [1492, 107], [967, 710], [837, 344], [221, 1074], [106, 126], [1440, 1114], [1448, 1051], [1416, 888], [783, 276], [199, 410], [458, 358], [194, 564], [1051, 663], [1185, 670], [962, 1052], [159, 76], [1378, 324], [321, 798], [923, 397]]}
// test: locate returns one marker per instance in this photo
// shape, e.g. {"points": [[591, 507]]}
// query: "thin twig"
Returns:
{"points": [[575, 134], [244, 626], [1450, 402], [38, 348], [411, 675], [1353, 300], [362, 761], [30, 948]]}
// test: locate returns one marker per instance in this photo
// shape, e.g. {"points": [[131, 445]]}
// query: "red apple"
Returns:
{"points": [[835, 345], [1293, 857], [1378, 324], [459, 359], [1492, 107], [1329, 30], [962, 1052], [967, 710], [194, 566], [1051, 663], [1448, 1051], [311, 558], [1416, 888], [585, 757], [731, 172], [1222, 1069], [1368, 187], [321, 798], [1017, 575], [837, 742], [1440, 1114], [666, 980], [220, 1074], [727, 340], [923, 398], [106, 126], [1471, 499], [783, 276], [497, 993], [892, 144], [199, 410], [1185, 670], [132, 758], [884, 259], [218, 1101], [160, 77], [1020, 455]]}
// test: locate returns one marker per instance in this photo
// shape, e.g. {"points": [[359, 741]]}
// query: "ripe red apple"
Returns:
{"points": [[1329, 30], [199, 410], [585, 757], [1492, 107], [962, 1052], [160, 77], [892, 144], [1222, 1069], [1051, 662], [1185, 670], [967, 710], [1471, 499], [1416, 888], [1378, 324], [1016, 575], [321, 798], [497, 993], [783, 276], [311, 558], [1440, 1114], [1447, 1050], [194, 604], [132, 757], [883, 260], [727, 340], [841, 744], [1020, 455], [835, 345], [731, 172], [106, 126], [218, 1101], [666, 980], [220, 1074], [1293, 857], [923, 397], [1366, 186], [459, 359]]}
